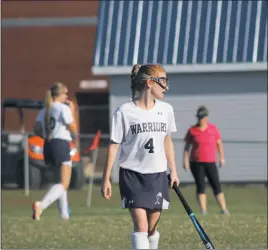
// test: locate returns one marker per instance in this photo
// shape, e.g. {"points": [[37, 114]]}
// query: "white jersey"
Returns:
{"points": [[141, 134], [60, 116]]}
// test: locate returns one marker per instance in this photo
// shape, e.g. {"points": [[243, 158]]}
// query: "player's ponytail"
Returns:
{"points": [[56, 89], [134, 79], [48, 103]]}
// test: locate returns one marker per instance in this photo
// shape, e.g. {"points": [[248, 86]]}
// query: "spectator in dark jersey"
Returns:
{"points": [[204, 139]]}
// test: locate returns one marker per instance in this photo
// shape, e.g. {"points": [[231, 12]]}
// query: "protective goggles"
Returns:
{"points": [[163, 82]]}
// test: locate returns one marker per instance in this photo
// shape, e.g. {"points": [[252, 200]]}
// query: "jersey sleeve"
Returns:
{"points": [[67, 115], [171, 122], [40, 116], [217, 134], [117, 127]]}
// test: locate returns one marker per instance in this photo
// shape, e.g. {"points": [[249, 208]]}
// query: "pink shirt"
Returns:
{"points": [[203, 143]]}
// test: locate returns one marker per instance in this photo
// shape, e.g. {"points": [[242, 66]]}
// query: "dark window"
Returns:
{"points": [[93, 112]]}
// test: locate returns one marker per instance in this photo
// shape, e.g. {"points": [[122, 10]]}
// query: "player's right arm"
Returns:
{"points": [[106, 185], [115, 140], [68, 118]]}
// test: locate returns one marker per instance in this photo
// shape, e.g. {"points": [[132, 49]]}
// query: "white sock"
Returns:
{"points": [[140, 240], [63, 205], [52, 195], [153, 240]]}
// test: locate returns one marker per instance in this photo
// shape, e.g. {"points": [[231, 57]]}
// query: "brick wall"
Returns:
{"points": [[35, 57]]}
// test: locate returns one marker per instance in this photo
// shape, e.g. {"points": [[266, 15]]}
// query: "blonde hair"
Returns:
{"points": [[139, 74], [55, 90]]}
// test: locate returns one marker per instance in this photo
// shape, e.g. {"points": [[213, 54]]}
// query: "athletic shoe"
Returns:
{"points": [[226, 212], [37, 210], [203, 212], [65, 217]]}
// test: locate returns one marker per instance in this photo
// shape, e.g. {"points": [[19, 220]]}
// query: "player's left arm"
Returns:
{"points": [[169, 147], [170, 154], [220, 148], [221, 152]]}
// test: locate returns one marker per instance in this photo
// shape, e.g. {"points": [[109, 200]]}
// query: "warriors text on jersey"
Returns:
{"points": [[60, 116], [141, 134]]}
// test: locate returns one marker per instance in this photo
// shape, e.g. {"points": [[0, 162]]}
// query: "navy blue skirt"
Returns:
{"points": [[148, 191]]}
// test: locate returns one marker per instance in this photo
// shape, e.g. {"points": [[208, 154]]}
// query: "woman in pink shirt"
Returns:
{"points": [[204, 139]]}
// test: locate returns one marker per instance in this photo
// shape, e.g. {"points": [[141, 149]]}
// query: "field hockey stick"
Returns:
{"points": [[205, 239]]}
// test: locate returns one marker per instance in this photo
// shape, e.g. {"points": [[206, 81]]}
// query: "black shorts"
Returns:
{"points": [[56, 152], [148, 191], [200, 170]]}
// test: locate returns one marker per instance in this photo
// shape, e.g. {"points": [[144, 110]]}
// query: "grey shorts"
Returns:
{"points": [[148, 191]]}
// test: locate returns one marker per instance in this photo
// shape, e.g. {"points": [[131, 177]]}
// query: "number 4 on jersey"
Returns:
{"points": [[150, 145]]}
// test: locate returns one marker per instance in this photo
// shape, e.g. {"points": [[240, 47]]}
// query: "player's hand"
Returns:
{"points": [[106, 189], [72, 106], [186, 166], [222, 162], [174, 179]]}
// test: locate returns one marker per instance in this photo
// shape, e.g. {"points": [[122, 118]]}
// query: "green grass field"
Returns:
{"points": [[106, 225]]}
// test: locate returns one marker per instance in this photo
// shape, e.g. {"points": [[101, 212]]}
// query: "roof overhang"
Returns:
{"points": [[185, 69]]}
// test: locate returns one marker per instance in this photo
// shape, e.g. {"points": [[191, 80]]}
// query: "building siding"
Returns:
{"points": [[238, 106], [31, 9]]}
